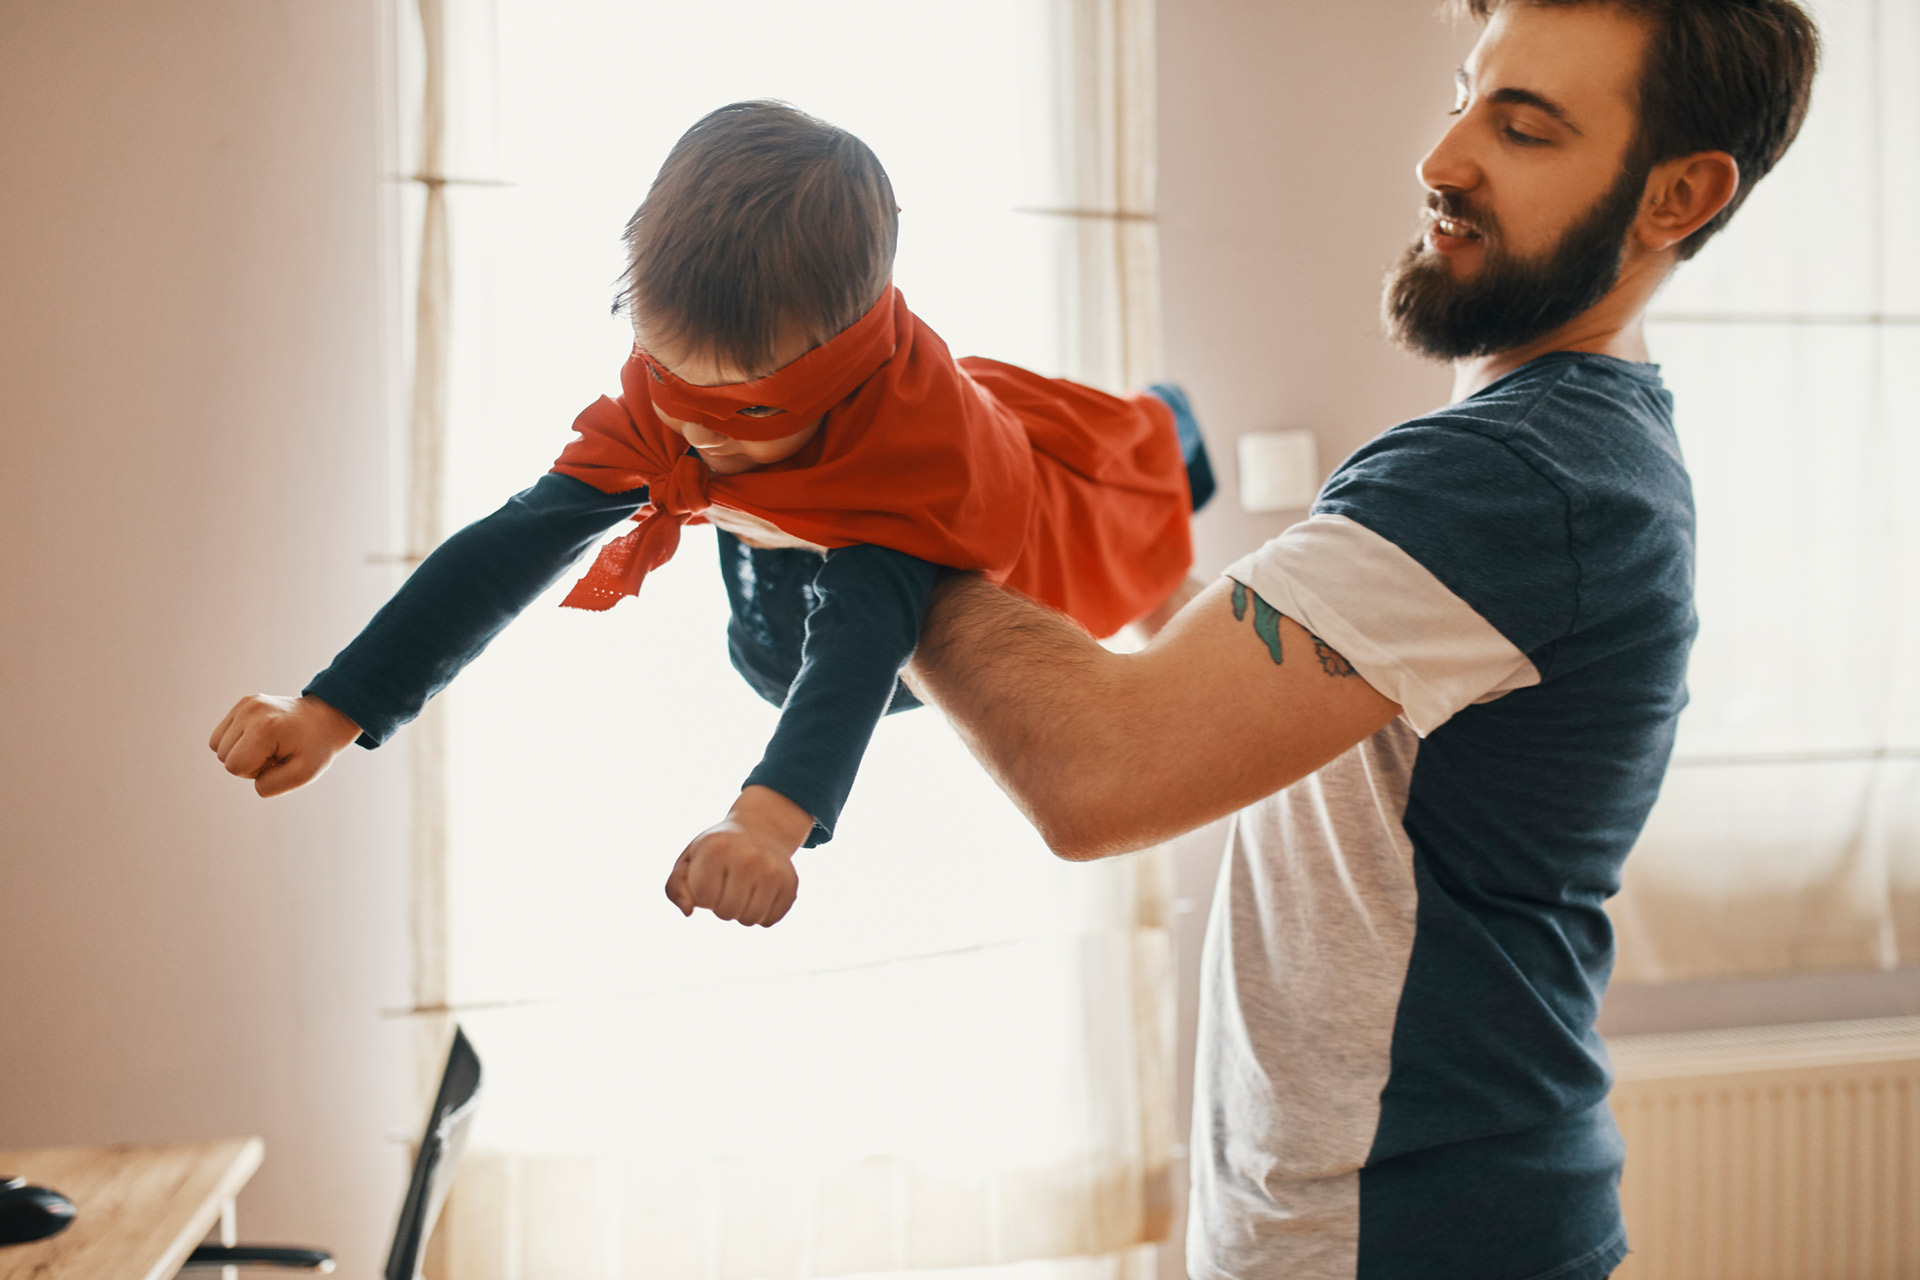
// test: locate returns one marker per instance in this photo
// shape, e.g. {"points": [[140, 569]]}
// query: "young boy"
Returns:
{"points": [[780, 389]]}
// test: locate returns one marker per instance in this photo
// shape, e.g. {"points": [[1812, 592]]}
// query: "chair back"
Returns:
{"points": [[433, 1168]]}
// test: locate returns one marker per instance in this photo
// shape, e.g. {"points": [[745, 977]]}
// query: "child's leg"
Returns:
{"points": [[1200, 488], [1193, 447]]}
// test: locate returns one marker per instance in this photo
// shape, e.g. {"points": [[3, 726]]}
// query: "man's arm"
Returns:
{"points": [[1107, 753]]}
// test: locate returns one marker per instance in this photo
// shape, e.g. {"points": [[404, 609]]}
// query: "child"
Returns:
{"points": [[780, 389]]}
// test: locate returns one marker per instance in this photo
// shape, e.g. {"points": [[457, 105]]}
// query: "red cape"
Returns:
{"points": [[1066, 494]]}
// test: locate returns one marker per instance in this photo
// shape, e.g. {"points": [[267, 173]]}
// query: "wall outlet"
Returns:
{"points": [[1279, 471]]}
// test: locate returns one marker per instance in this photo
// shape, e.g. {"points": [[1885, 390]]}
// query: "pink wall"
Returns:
{"points": [[194, 441], [1288, 138]]}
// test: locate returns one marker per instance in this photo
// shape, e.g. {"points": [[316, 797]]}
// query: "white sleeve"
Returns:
{"points": [[1406, 634]]}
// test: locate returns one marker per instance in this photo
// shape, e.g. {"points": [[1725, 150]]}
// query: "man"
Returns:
{"points": [[1440, 708]]}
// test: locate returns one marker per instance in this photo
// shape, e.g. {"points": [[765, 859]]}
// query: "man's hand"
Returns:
{"points": [[741, 868], [281, 743]]}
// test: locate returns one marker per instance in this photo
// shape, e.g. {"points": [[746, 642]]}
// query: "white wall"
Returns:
{"points": [[193, 435]]}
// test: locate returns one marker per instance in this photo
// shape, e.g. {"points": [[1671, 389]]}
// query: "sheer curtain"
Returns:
{"points": [[1788, 833], [956, 1051]]}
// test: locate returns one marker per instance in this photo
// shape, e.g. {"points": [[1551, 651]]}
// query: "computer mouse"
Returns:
{"points": [[31, 1213]]}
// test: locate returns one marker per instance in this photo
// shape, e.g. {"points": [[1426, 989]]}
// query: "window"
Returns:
{"points": [[1788, 833], [956, 1051]]}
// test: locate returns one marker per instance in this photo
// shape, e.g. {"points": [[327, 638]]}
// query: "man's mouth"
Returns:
{"points": [[1455, 228]]}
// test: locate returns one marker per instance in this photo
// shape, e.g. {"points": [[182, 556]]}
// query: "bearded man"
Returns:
{"points": [[1441, 707]]}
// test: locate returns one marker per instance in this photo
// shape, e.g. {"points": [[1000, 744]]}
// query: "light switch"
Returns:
{"points": [[1279, 471]]}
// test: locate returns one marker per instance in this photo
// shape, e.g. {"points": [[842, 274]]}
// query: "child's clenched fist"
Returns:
{"points": [[281, 743], [741, 868]]}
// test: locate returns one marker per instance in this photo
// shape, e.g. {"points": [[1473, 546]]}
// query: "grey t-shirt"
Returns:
{"points": [[1398, 1074]]}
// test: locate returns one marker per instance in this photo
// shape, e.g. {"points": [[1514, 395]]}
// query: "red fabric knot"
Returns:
{"points": [[675, 498]]}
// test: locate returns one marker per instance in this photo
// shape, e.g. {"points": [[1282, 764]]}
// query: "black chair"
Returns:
{"points": [[433, 1170]]}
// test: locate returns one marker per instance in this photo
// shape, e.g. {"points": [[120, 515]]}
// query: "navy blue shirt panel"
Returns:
{"points": [[1556, 504], [1537, 1205]]}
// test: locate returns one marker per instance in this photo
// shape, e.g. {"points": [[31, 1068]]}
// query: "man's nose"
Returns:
{"points": [[1450, 166]]}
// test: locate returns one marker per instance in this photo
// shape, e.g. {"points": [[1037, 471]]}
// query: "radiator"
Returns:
{"points": [[1772, 1153]]}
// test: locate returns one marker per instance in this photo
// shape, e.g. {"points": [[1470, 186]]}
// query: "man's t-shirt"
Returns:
{"points": [[1399, 1075]]}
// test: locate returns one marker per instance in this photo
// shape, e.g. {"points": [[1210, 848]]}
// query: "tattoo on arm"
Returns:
{"points": [[1331, 661], [1266, 618], [1266, 625]]}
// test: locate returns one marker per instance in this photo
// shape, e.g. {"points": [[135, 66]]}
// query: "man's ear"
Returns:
{"points": [[1683, 195]]}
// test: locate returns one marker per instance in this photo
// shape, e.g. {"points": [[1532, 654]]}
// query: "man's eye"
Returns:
{"points": [[1520, 139], [759, 411]]}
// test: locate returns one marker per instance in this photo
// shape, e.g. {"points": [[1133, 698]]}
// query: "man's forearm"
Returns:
{"points": [[1032, 696], [1109, 752]]}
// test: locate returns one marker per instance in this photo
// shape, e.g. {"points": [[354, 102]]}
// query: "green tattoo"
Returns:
{"points": [[1266, 618], [1331, 661]]}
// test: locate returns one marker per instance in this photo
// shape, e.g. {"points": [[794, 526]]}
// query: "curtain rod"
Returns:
{"points": [[1106, 215], [442, 180]]}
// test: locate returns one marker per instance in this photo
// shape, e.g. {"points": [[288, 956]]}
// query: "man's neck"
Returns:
{"points": [[1628, 342], [1613, 326]]}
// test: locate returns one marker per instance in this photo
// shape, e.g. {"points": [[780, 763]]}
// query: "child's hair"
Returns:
{"points": [[762, 217]]}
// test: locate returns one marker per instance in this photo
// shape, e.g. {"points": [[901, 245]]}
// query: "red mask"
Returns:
{"points": [[803, 390]]}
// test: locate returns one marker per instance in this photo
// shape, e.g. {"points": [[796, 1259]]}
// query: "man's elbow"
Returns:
{"points": [[1078, 806], [1079, 832], [1070, 846]]}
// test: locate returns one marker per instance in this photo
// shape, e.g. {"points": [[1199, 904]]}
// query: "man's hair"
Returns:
{"points": [[761, 218], [1721, 75]]}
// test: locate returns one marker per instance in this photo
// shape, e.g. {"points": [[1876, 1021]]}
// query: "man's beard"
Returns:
{"points": [[1511, 301]]}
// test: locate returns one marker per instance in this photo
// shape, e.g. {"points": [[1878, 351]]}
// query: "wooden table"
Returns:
{"points": [[141, 1210]]}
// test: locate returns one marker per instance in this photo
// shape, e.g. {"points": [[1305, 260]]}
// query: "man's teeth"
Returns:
{"points": [[1460, 230]]}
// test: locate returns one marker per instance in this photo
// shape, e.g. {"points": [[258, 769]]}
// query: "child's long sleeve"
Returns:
{"points": [[460, 597], [867, 604], [825, 637]]}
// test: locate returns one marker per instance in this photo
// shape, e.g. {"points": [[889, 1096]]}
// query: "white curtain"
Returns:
{"points": [[956, 1051], [1788, 833]]}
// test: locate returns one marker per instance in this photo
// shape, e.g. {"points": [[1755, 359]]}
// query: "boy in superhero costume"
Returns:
{"points": [[780, 389]]}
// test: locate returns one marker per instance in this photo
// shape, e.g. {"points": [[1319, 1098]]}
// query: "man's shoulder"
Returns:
{"points": [[1582, 441], [1539, 509], [1579, 420]]}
